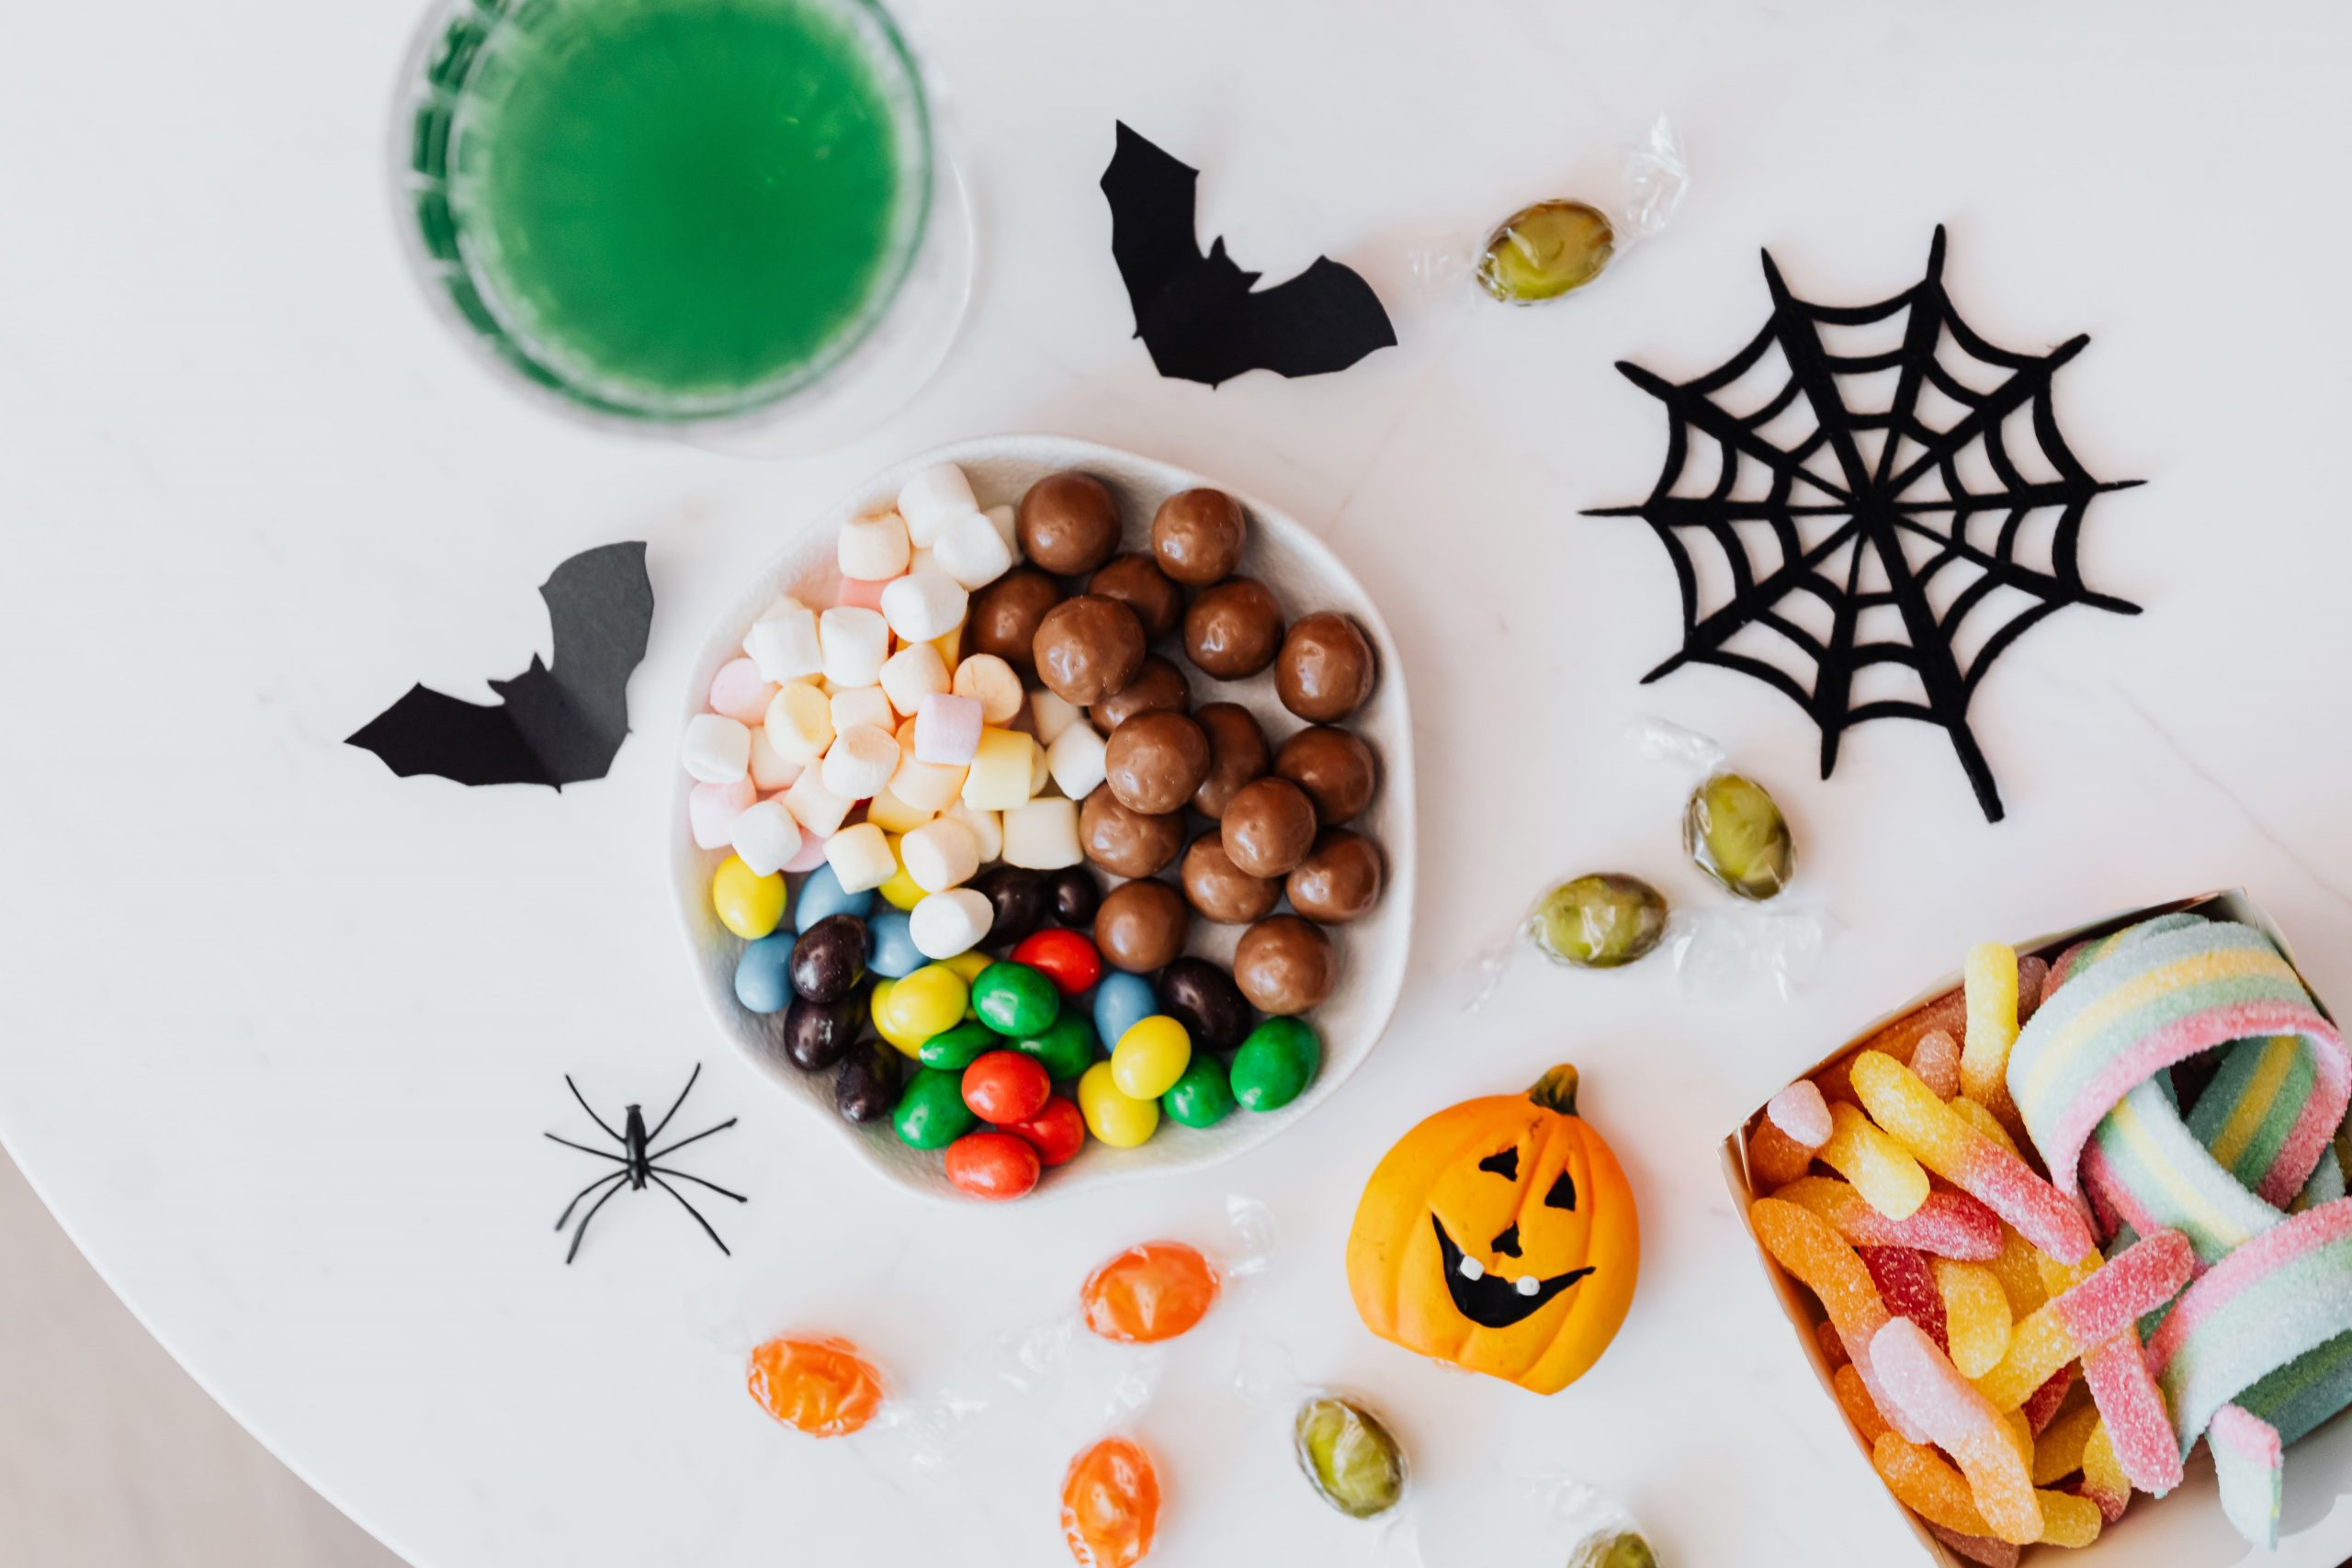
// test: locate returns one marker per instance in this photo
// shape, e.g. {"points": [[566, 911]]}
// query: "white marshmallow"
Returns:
{"points": [[783, 642], [942, 854], [855, 642], [925, 787], [872, 549], [861, 858], [912, 673], [767, 838], [971, 551], [919, 606], [711, 809], [1049, 715], [817, 810], [1075, 760], [800, 724], [989, 681], [932, 499], [1000, 518], [717, 749], [1041, 771], [1042, 835], [985, 826], [945, 924], [890, 814], [862, 704], [947, 729], [860, 761], [770, 771]]}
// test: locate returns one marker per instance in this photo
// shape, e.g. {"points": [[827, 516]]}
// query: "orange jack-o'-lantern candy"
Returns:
{"points": [[820, 1384], [1149, 1294], [1499, 1234], [1111, 1504]]}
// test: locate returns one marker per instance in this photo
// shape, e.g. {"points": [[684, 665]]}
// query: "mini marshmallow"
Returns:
{"points": [[949, 646], [855, 593], [946, 924], [1075, 759], [855, 642], [718, 750], [985, 826], [817, 810], [1049, 715], [892, 814], [712, 810], [1042, 835], [1040, 771], [861, 858], [972, 552], [947, 729], [862, 704], [932, 499], [1000, 518], [770, 771], [928, 787], [800, 723], [860, 761], [912, 673], [998, 780], [784, 644], [990, 681], [767, 838], [872, 548], [740, 693], [942, 854], [919, 606], [809, 856]]}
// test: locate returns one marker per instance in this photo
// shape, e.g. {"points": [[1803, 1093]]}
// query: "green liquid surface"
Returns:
{"points": [[676, 202]]}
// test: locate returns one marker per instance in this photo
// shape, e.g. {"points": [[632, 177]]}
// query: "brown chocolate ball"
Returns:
{"points": [[1135, 580], [1269, 826], [1124, 842], [1088, 648], [1142, 926], [1198, 535], [1221, 891], [1334, 767], [1338, 881], [1233, 629], [1004, 616], [1237, 753], [1155, 760], [1068, 523], [1286, 965], [1159, 687], [1325, 670]]}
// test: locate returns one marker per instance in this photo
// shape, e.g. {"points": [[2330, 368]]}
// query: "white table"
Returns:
{"points": [[281, 1033]]}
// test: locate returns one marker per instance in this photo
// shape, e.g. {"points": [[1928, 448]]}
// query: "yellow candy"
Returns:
{"points": [[1976, 1315], [1984, 1120], [2058, 1453], [892, 814], [929, 1001], [1115, 1118], [2019, 1271], [950, 644], [1990, 983], [886, 1018], [1150, 1057], [899, 889], [999, 777], [970, 964], [1886, 1176], [749, 905]]}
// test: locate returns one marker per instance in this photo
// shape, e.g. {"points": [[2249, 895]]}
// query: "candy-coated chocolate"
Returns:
{"points": [[1067, 523], [1150, 1058], [828, 959], [1125, 841], [929, 1002], [1237, 754], [818, 1383], [1159, 687], [1065, 957], [1148, 1294], [1198, 535], [1006, 1086], [1286, 965], [1116, 1119], [1065, 1048], [1203, 1097], [1018, 897], [1120, 999], [762, 983], [931, 1113], [1003, 617], [1335, 768], [1014, 999], [1088, 648], [1268, 827], [1202, 996], [1279, 1060], [1154, 762], [1056, 1133], [893, 946], [885, 1019], [1325, 669], [867, 1086], [821, 895], [953, 1049], [1338, 881], [995, 1166], [1221, 891], [1142, 926], [1234, 630], [1074, 895], [749, 905], [816, 1037]]}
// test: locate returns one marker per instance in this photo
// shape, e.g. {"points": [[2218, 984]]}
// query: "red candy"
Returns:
{"points": [[992, 1165], [1056, 1133], [1004, 1086], [1063, 956], [1907, 1286]]}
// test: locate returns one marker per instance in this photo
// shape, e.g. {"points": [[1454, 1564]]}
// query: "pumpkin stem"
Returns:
{"points": [[1556, 1091]]}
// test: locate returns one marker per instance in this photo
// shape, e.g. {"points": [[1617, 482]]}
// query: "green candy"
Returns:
{"points": [[1279, 1059], [1067, 1046], [1599, 921], [1621, 1549], [953, 1050], [1542, 252], [1734, 831], [1014, 999], [1203, 1097], [931, 1113], [1353, 1463]]}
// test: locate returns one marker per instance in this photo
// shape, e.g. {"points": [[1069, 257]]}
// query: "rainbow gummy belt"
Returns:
{"points": [[2259, 1349]]}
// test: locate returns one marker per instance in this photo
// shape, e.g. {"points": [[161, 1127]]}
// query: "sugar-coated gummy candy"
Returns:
{"points": [[1734, 831], [717, 749], [1802, 1242], [1016, 999], [1111, 1504], [1065, 1048], [1775, 1159], [1056, 1133], [955, 1048], [1959, 1419], [1150, 1058], [1855, 1400], [1275, 1064], [1977, 1547], [1149, 1294], [992, 1165], [930, 1001], [1065, 957], [1922, 1481], [2105, 1483], [1542, 252], [931, 1113], [1351, 1458], [1121, 998], [2137, 1280], [1990, 992], [1600, 921], [1833, 1346], [1948, 1224], [2039, 1410], [1801, 1113], [820, 1384], [712, 810], [946, 924], [1203, 1096], [1880, 1170], [867, 1086], [2058, 1451], [1116, 1119], [1937, 1061], [893, 951], [762, 979], [1613, 1549], [748, 904], [1976, 1315], [1005, 1087], [1907, 1287]]}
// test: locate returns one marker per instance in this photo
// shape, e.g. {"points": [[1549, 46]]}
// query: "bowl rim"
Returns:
{"points": [[1399, 784]]}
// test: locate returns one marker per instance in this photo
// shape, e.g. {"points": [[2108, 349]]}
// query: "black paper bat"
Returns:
{"points": [[556, 723], [1197, 314]]}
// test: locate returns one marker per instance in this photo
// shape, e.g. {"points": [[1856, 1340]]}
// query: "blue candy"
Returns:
{"points": [[1120, 1001], [821, 894], [763, 979], [893, 953]]}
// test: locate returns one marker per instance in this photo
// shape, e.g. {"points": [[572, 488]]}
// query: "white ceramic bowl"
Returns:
{"points": [[1306, 576]]}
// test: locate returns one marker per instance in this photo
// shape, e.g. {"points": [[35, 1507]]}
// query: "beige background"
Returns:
{"points": [[109, 1454]]}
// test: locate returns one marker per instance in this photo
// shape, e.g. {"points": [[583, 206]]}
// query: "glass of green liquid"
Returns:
{"points": [[711, 215]]}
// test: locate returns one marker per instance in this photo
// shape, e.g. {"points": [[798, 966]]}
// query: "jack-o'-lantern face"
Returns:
{"points": [[1499, 1234]]}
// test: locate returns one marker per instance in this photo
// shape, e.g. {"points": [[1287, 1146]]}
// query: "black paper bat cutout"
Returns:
{"points": [[1199, 315], [558, 723]]}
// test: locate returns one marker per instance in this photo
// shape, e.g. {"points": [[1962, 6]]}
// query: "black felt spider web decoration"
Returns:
{"points": [[1868, 519]]}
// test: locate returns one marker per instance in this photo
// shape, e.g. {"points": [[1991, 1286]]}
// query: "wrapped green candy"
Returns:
{"points": [[1542, 252], [1600, 921], [1734, 831], [1349, 1456], [1614, 1549]]}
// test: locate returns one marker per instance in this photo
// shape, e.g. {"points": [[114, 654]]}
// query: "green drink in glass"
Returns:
{"points": [[675, 210]]}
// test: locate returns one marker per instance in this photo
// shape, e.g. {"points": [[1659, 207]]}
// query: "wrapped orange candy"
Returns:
{"points": [[1111, 1504], [821, 1385], [1149, 1294]]}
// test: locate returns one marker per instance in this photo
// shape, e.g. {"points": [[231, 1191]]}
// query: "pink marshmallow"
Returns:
{"points": [[810, 856], [711, 809], [947, 729], [860, 593], [740, 692]]}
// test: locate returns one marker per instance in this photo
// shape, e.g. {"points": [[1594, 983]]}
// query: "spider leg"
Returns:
{"points": [[581, 1234], [600, 1154], [592, 1111], [691, 1210], [689, 1176], [676, 1103], [564, 1217], [682, 1143]]}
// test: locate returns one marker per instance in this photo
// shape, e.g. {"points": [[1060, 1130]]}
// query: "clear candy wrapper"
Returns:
{"points": [[1345, 1450], [1598, 1530]]}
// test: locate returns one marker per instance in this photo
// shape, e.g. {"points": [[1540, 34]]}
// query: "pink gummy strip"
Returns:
{"points": [[2247, 1435], [2008, 1187], [2140, 1279], [2299, 1153], [2134, 1408], [2246, 1266], [2110, 1199]]}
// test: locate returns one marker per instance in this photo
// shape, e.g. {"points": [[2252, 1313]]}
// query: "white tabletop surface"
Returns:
{"points": [[280, 1032]]}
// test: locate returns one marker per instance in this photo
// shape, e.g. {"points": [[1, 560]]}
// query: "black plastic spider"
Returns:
{"points": [[636, 1166]]}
